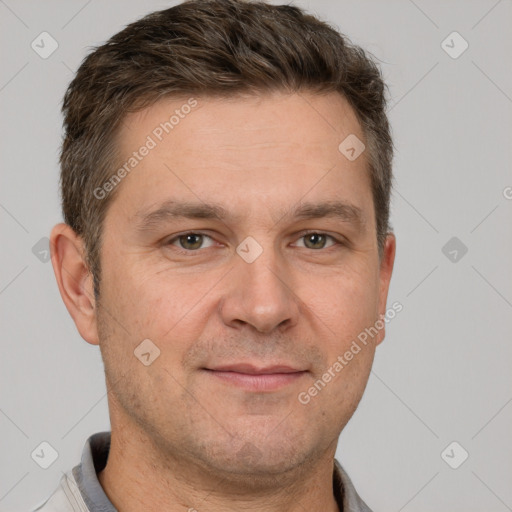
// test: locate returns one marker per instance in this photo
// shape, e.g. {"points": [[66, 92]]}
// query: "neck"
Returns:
{"points": [[139, 477]]}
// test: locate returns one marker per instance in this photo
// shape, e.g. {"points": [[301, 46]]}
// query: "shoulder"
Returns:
{"points": [[66, 498], [352, 502]]}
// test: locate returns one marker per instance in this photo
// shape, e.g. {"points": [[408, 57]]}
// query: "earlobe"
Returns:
{"points": [[386, 270], [74, 280]]}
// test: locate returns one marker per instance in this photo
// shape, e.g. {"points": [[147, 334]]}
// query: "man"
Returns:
{"points": [[226, 174]]}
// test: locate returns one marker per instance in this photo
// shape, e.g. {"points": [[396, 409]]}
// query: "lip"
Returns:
{"points": [[250, 369], [251, 378]]}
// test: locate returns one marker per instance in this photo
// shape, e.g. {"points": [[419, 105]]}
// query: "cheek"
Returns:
{"points": [[353, 308], [347, 303], [157, 302]]}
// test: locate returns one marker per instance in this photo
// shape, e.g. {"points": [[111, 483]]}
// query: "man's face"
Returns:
{"points": [[220, 311]]}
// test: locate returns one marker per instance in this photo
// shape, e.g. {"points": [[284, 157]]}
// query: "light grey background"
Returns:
{"points": [[443, 371]]}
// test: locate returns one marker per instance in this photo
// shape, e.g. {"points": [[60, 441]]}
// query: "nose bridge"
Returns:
{"points": [[261, 293], [264, 277]]}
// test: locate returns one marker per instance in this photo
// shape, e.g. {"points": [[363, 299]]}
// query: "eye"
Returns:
{"points": [[315, 240], [193, 242], [189, 241]]}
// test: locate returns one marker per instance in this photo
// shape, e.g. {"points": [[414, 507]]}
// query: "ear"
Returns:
{"points": [[74, 280], [386, 269]]}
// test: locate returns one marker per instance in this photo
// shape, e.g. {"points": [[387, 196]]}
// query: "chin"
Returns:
{"points": [[260, 464]]}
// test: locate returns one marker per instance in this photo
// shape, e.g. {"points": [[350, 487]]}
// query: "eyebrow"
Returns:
{"points": [[172, 209]]}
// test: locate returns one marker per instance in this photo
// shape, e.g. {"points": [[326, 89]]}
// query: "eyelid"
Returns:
{"points": [[180, 250], [338, 240]]}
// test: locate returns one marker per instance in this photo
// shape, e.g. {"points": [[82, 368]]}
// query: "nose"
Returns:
{"points": [[260, 294]]}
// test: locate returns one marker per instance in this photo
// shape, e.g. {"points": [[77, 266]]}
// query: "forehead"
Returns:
{"points": [[298, 122], [245, 151]]}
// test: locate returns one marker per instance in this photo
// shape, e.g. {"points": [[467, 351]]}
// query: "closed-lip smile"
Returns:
{"points": [[254, 378]]}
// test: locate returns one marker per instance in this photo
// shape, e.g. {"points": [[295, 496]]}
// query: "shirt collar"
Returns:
{"points": [[94, 459]]}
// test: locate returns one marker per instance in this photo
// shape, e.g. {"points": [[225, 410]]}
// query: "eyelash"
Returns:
{"points": [[337, 242]]}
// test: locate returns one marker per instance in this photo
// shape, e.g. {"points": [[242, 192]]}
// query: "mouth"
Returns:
{"points": [[252, 378]]}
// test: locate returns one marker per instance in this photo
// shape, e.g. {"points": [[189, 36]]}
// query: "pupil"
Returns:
{"points": [[189, 240], [316, 236]]}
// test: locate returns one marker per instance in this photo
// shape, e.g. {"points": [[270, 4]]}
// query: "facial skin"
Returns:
{"points": [[183, 437]]}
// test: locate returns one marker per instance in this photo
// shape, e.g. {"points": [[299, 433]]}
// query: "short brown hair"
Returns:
{"points": [[210, 48]]}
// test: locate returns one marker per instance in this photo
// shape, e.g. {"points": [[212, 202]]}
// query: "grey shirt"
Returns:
{"points": [[80, 490]]}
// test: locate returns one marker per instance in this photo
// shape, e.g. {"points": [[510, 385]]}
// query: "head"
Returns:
{"points": [[211, 208]]}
